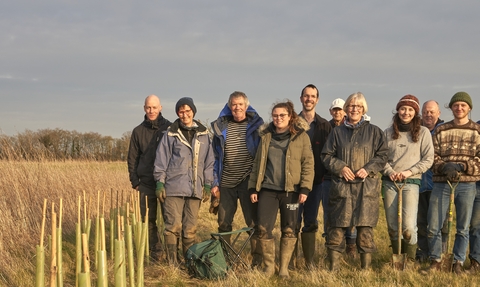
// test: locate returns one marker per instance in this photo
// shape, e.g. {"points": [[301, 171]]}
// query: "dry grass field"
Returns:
{"points": [[25, 185]]}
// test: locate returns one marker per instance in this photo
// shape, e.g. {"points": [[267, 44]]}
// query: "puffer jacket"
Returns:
{"points": [[363, 146], [219, 128], [141, 151], [299, 168], [184, 168]]}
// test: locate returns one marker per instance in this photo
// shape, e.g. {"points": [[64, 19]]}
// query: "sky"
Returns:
{"points": [[88, 65]]}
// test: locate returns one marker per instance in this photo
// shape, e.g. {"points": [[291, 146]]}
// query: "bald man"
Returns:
{"points": [[141, 156]]}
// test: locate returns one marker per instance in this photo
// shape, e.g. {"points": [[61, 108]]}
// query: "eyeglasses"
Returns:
{"points": [[184, 112], [282, 116], [353, 107]]}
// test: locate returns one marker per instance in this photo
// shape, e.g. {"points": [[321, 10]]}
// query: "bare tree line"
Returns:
{"points": [[58, 144]]}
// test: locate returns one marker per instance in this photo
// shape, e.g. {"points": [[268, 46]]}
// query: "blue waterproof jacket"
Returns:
{"points": [[219, 128]]}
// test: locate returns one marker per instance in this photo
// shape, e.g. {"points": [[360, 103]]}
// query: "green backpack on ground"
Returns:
{"points": [[205, 260]]}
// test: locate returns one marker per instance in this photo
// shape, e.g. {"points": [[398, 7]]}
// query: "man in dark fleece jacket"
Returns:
{"points": [[141, 157]]}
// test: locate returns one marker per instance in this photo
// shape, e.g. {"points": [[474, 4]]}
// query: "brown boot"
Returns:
{"points": [[458, 268], [308, 247], [172, 249], [268, 252], [474, 266], [434, 266], [351, 251], [287, 245]]}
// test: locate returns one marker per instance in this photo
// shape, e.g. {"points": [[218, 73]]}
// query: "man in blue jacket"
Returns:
{"points": [[235, 144]]}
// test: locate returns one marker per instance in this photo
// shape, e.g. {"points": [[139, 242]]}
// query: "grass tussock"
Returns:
{"points": [[24, 186]]}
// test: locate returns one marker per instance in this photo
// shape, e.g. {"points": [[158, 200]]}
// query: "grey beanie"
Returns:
{"points": [[186, 101]]}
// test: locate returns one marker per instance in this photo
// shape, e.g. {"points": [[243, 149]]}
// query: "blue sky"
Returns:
{"points": [[88, 65]]}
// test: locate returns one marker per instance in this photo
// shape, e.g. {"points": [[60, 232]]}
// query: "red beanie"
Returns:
{"points": [[409, 100]]}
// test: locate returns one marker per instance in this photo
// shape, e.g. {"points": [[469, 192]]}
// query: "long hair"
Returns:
{"points": [[288, 105], [415, 126]]}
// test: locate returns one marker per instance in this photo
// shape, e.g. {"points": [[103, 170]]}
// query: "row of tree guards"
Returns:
{"points": [[128, 244]]}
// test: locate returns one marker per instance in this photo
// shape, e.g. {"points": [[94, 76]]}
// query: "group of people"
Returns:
{"points": [[299, 160]]}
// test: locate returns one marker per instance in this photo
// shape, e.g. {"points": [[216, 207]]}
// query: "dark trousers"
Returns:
{"points": [[269, 202], [229, 198], [147, 194]]}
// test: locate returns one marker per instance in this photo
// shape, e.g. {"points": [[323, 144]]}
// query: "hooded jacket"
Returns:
{"points": [[299, 168], [361, 146], [184, 168], [141, 151], [219, 128]]}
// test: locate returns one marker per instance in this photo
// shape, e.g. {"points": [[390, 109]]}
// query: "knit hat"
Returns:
{"points": [[186, 101], [461, 97], [411, 101], [337, 103]]}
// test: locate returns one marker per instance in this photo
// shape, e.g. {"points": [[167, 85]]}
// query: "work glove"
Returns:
{"points": [[160, 191], [214, 203], [452, 171], [207, 192]]}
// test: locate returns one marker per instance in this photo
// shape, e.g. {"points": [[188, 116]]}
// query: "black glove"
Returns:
{"points": [[452, 171]]}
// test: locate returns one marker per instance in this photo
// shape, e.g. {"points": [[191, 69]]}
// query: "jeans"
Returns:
{"points": [[269, 202], [475, 227], [309, 210], [439, 203], [350, 233], [229, 198], [409, 210], [422, 225]]}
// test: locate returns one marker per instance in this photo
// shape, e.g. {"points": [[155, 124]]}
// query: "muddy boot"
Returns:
{"points": [[287, 245], [171, 242], [187, 243], [268, 252], [351, 251], [256, 251], [411, 250], [366, 260], [227, 238], [293, 261], [308, 247], [394, 246], [334, 258]]}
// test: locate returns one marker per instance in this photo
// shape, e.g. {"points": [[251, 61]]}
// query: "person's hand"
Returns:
{"points": [[254, 197], [214, 203], [207, 192], [361, 173], [160, 191], [302, 198], [216, 191], [452, 171], [347, 174]]}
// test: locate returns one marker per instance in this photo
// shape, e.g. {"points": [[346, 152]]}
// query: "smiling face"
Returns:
{"points": [[309, 99], [337, 114], [185, 114], [355, 111], [238, 108], [460, 110], [152, 107], [281, 119], [430, 114], [406, 114]]}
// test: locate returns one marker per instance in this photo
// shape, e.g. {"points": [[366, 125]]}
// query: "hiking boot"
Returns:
{"points": [[474, 266], [351, 251], [458, 268], [434, 266], [287, 245]]}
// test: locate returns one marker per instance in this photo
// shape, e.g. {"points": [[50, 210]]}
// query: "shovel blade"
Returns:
{"points": [[447, 263], [399, 261]]}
